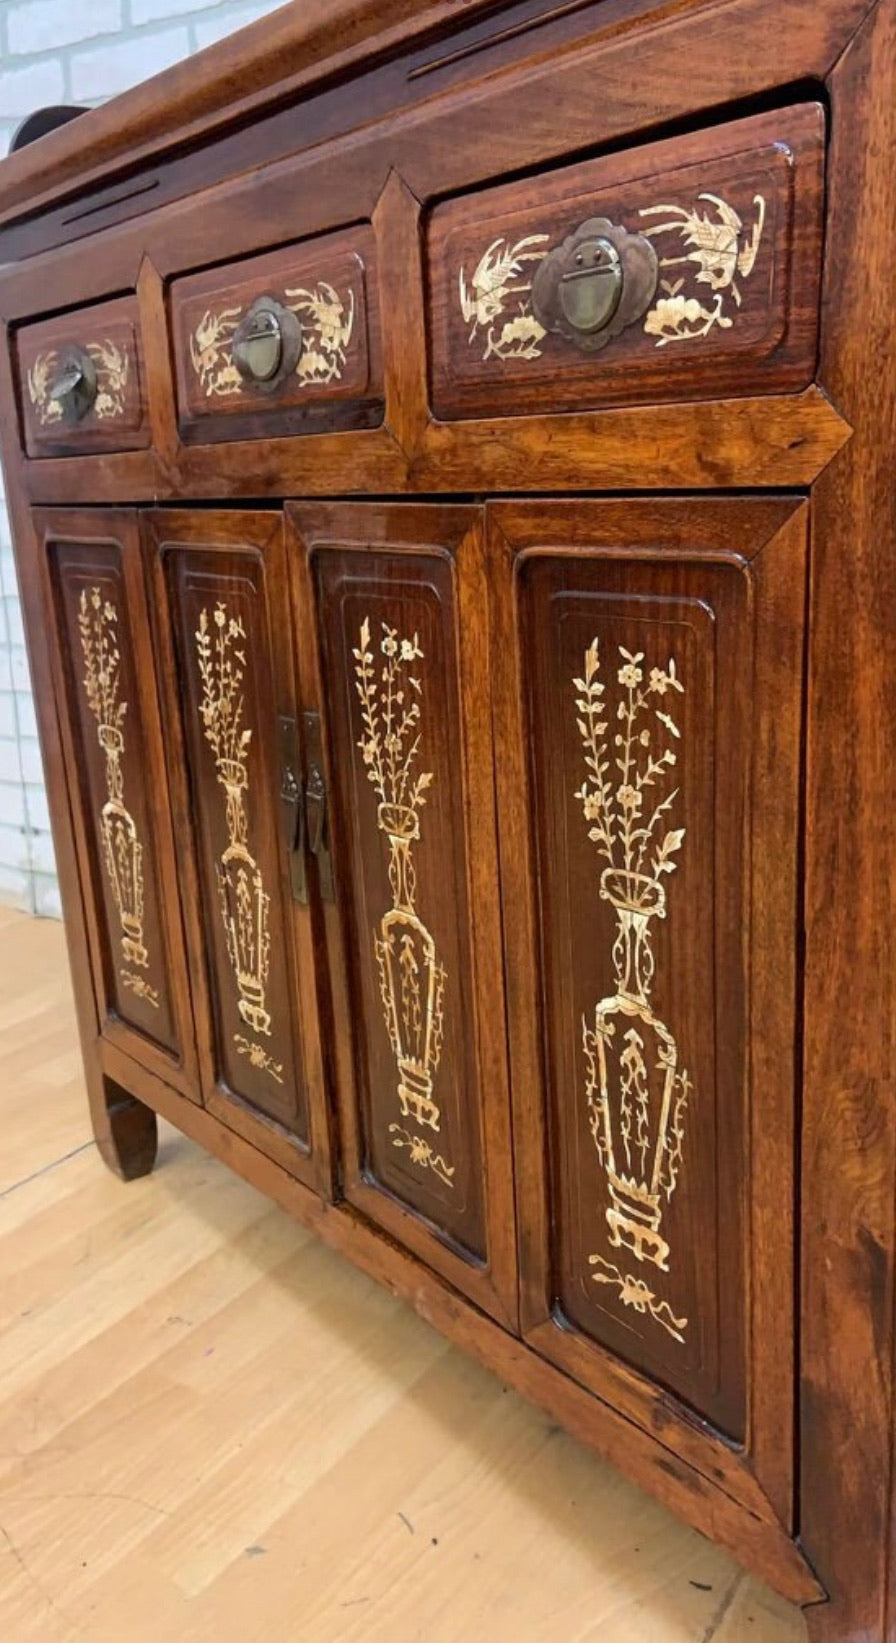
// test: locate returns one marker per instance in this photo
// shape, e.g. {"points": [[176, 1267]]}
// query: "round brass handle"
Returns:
{"points": [[74, 387], [601, 279], [267, 344]]}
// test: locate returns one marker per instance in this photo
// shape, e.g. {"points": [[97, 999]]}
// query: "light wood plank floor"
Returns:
{"points": [[212, 1429]]}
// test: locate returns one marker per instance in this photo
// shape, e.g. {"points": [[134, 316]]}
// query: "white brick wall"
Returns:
{"points": [[69, 51]]}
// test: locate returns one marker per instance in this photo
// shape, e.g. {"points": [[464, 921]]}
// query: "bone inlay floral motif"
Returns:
{"points": [[122, 849], [243, 901], [113, 369], [722, 253], [328, 321], [637, 1094], [501, 280], [718, 254], [411, 978]]}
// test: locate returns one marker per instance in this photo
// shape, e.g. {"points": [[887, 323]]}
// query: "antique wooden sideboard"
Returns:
{"points": [[450, 455]]}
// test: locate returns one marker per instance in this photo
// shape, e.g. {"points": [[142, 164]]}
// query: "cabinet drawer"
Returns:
{"points": [[686, 269], [284, 343], [81, 381]]}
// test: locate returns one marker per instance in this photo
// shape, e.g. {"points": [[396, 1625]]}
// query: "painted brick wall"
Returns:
{"points": [[69, 51]]}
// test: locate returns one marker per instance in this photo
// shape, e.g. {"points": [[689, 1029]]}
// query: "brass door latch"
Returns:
{"points": [[304, 807], [316, 804], [292, 808]]}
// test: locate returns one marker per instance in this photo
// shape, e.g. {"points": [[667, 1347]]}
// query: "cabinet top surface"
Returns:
{"points": [[274, 60], [309, 46]]}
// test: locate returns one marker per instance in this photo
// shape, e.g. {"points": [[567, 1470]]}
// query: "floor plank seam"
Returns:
{"points": [[724, 1609], [46, 1168]]}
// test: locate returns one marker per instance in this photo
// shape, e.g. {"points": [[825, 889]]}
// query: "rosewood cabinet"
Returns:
{"points": [[452, 487]]}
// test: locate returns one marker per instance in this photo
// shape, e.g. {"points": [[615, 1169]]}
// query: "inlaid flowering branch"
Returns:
{"points": [[637, 1096], [496, 298], [411, 979], [243, 900], [328, 322], [122, 848]]}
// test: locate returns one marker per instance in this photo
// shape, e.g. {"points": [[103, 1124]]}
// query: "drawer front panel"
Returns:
{"points": [[687, 269], [305, 324], [104, 701], [81, 382]]}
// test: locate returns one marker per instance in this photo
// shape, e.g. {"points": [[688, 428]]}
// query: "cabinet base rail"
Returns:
{"points": [[762, 1547]]}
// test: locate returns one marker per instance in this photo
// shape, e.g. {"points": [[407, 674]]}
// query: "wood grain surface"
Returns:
{"points": [[732, 215], [109, 334], [331, 288]]}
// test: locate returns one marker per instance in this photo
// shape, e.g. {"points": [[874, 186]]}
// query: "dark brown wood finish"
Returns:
{"points": [[330, 289], [276, 60], [535, 120], [410, 140], [728, 223], [650, 661], [785, 440], [96, 618], [225, 657], [108, 334], [398, 599], [848, 1205]]}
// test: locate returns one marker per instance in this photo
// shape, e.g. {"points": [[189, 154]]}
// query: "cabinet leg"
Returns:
{"points": [[836, 1623], [126, 1131]]}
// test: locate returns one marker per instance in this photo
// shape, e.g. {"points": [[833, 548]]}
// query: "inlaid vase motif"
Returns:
{"points": [[244, 902], [411, 977], [637, 1091], [120, 844]]}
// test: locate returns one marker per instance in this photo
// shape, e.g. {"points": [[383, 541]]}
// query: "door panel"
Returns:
{"points": [[225, 645], [107, 704], [649, 698], [397, 598]]}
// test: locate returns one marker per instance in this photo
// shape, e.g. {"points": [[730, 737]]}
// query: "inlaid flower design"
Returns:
{"points": [[718, 256], [636, 1090], [411, 978]]}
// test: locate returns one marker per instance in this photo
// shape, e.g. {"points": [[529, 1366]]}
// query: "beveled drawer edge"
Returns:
{"points": [[781, 440]]}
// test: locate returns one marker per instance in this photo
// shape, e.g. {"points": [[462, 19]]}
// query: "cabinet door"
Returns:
{"points": [[225, 653], [108, 711], [647, 733], [394, 599]]}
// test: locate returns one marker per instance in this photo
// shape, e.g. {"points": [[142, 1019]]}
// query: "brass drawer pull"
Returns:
{"points": [[267, 344], [601, 279], [74, 387]]}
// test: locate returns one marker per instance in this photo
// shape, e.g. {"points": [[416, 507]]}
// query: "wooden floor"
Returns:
{"points": [[212, 1429]]}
